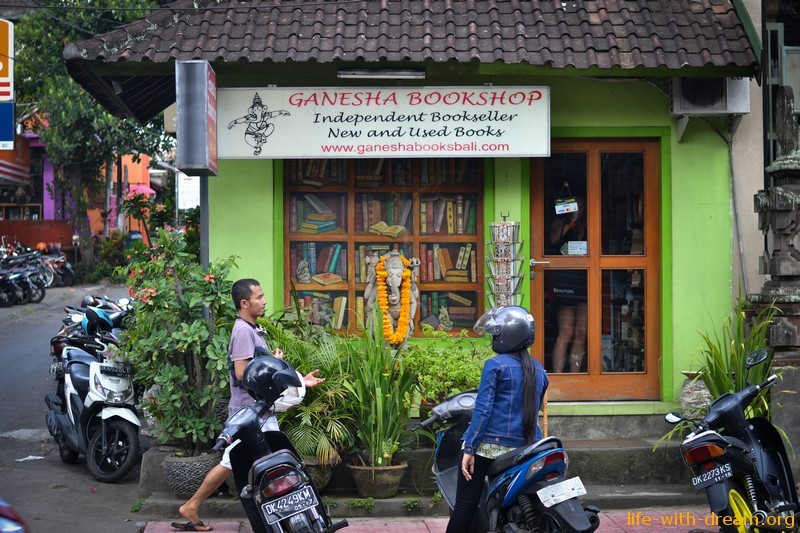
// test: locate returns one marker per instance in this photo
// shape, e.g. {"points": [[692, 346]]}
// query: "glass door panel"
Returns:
{"points": [[565, 333], [595, 268], [622, 190], [623, 328]]}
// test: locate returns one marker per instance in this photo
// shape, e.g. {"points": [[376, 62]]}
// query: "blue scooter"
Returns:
{"points": [[525, 489]]}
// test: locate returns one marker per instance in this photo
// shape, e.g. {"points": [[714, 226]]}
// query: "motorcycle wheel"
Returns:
{"points": [[47, 276], [67, 456], [7, 298], [24, 294], [69, 277], [122, 441], [37, 292], [738, 510], [549, 522]]}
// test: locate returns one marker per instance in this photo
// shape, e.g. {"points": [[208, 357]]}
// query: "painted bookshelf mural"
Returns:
{"points": [[340, 212]]}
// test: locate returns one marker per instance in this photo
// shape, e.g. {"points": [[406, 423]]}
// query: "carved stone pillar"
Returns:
{"points": [[778, 210]]}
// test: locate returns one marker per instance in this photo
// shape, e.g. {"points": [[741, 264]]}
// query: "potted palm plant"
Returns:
{"points": [[381, 392], [319, 427]]}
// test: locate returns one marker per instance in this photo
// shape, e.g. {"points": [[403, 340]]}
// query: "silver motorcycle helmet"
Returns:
{"points": [[512, 328]]}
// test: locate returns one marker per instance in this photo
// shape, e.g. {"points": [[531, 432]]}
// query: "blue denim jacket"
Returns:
{"points": [[497, 418]]}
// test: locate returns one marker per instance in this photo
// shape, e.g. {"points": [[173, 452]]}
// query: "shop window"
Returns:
{"points": [[341, 212]]}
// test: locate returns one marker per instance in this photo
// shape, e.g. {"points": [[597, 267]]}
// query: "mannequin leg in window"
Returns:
{"points": [[565, 316], [577, 355]]}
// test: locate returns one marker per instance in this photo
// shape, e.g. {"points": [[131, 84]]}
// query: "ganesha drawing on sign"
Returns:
{"points": [[258, 123]]}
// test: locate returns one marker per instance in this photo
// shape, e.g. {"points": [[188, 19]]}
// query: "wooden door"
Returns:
{"points": [[595, 285]]}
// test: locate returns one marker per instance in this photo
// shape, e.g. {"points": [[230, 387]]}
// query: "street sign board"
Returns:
{"points": [[6, 60]]}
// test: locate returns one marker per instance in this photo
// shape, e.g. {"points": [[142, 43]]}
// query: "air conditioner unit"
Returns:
{"points": [[709, 96]]}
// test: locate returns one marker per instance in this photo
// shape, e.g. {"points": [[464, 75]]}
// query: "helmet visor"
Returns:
{"points": [[486, 324]]}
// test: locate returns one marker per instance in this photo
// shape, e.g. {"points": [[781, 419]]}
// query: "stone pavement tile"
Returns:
{"points": [[220, 526], [656, 520], [647, 520], [396, 525]]}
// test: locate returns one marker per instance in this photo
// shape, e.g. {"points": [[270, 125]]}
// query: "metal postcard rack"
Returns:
{"points": [[504, 264]]}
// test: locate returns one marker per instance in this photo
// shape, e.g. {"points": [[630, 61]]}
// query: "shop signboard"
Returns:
{"points": [[196, 95], [484, 121]]}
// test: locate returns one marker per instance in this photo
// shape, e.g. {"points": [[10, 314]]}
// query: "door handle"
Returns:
{"points": [[534, 262]]}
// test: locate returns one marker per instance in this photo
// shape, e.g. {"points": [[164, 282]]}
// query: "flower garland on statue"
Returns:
{"points": [[394, 336]]}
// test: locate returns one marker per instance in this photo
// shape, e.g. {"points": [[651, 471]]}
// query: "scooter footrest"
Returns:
{"points": [[338, 525], [786, 506]]}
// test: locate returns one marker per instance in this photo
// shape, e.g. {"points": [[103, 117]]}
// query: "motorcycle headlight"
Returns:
{"points": [[112, 397]]}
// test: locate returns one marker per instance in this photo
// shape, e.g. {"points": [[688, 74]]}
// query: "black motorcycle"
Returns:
{"points": [[276, 491], [741, 462]]}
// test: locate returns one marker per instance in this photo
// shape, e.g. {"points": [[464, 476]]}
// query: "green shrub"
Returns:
{"points": [[445, 364]]}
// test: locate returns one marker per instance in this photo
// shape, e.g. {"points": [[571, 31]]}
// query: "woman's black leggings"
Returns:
{"points": [[468, 494]]}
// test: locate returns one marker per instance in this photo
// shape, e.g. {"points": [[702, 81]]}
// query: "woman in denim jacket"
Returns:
{"points": [[506, 409]]}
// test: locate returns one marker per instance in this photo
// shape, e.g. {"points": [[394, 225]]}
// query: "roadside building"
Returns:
{"points": [[442, 117]]}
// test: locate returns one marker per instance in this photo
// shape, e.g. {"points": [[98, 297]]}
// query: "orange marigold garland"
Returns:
{"points": [[394, 336]]}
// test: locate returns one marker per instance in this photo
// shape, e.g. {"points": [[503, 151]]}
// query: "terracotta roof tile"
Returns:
{"points": [[578, 33], [642, 35]]}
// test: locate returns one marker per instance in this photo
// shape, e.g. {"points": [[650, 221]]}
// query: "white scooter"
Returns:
{"points": [[97, 417]]}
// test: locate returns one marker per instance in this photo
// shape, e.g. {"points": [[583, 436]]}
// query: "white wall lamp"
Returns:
{"points": [[381, 74]]}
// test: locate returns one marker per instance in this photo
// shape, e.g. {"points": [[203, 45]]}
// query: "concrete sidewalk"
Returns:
{"points": [[648, 520]]}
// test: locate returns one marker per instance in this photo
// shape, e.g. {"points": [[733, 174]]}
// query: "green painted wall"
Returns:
{"points": [[696, 267], [242, 217]]}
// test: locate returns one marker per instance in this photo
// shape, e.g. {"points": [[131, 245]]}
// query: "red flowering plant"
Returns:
{"points": [[178, 338], [155, 215]]}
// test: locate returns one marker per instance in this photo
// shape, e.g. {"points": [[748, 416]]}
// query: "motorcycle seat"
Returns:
{"points": [[79, 374], [77, 355], [509, 459]]}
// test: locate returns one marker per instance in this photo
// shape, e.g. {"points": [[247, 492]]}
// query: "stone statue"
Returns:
{"points": [[444, 319], [303, 272], [394, 279]]}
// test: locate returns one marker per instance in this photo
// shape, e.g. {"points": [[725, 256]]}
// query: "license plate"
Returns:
{"points": [[561, 492], [291, 504], [118, 371], [710, 477]]}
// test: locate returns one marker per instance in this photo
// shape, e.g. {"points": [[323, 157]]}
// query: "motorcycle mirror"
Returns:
{"points": [[673, 418], [756, 357]]}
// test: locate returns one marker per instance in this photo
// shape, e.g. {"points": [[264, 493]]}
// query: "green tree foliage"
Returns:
{"points": [[81, 135]]}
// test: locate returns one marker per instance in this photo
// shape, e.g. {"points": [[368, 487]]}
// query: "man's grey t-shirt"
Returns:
{"points": [[244, 341]]}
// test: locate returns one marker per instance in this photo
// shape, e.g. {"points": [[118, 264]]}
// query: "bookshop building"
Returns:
{"points": [[331, 150]]}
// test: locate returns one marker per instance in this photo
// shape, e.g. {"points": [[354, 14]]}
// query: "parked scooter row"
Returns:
{"points": [[52, 265], [741, 463], [93, 410], [20, 282]]}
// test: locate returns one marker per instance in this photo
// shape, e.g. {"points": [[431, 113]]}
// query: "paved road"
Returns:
{"points": [[48, 494]]}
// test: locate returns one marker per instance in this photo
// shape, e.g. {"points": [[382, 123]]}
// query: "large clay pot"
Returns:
{"points": [[377, 481], [185, 474], [320, 473]]}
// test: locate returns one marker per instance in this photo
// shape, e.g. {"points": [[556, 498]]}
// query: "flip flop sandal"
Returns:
{"points": [[191, 526]]}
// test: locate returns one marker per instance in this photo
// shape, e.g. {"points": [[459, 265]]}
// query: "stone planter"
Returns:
{"points": [[321, 474], [185, 474], [695, 397], [377, 481]]}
